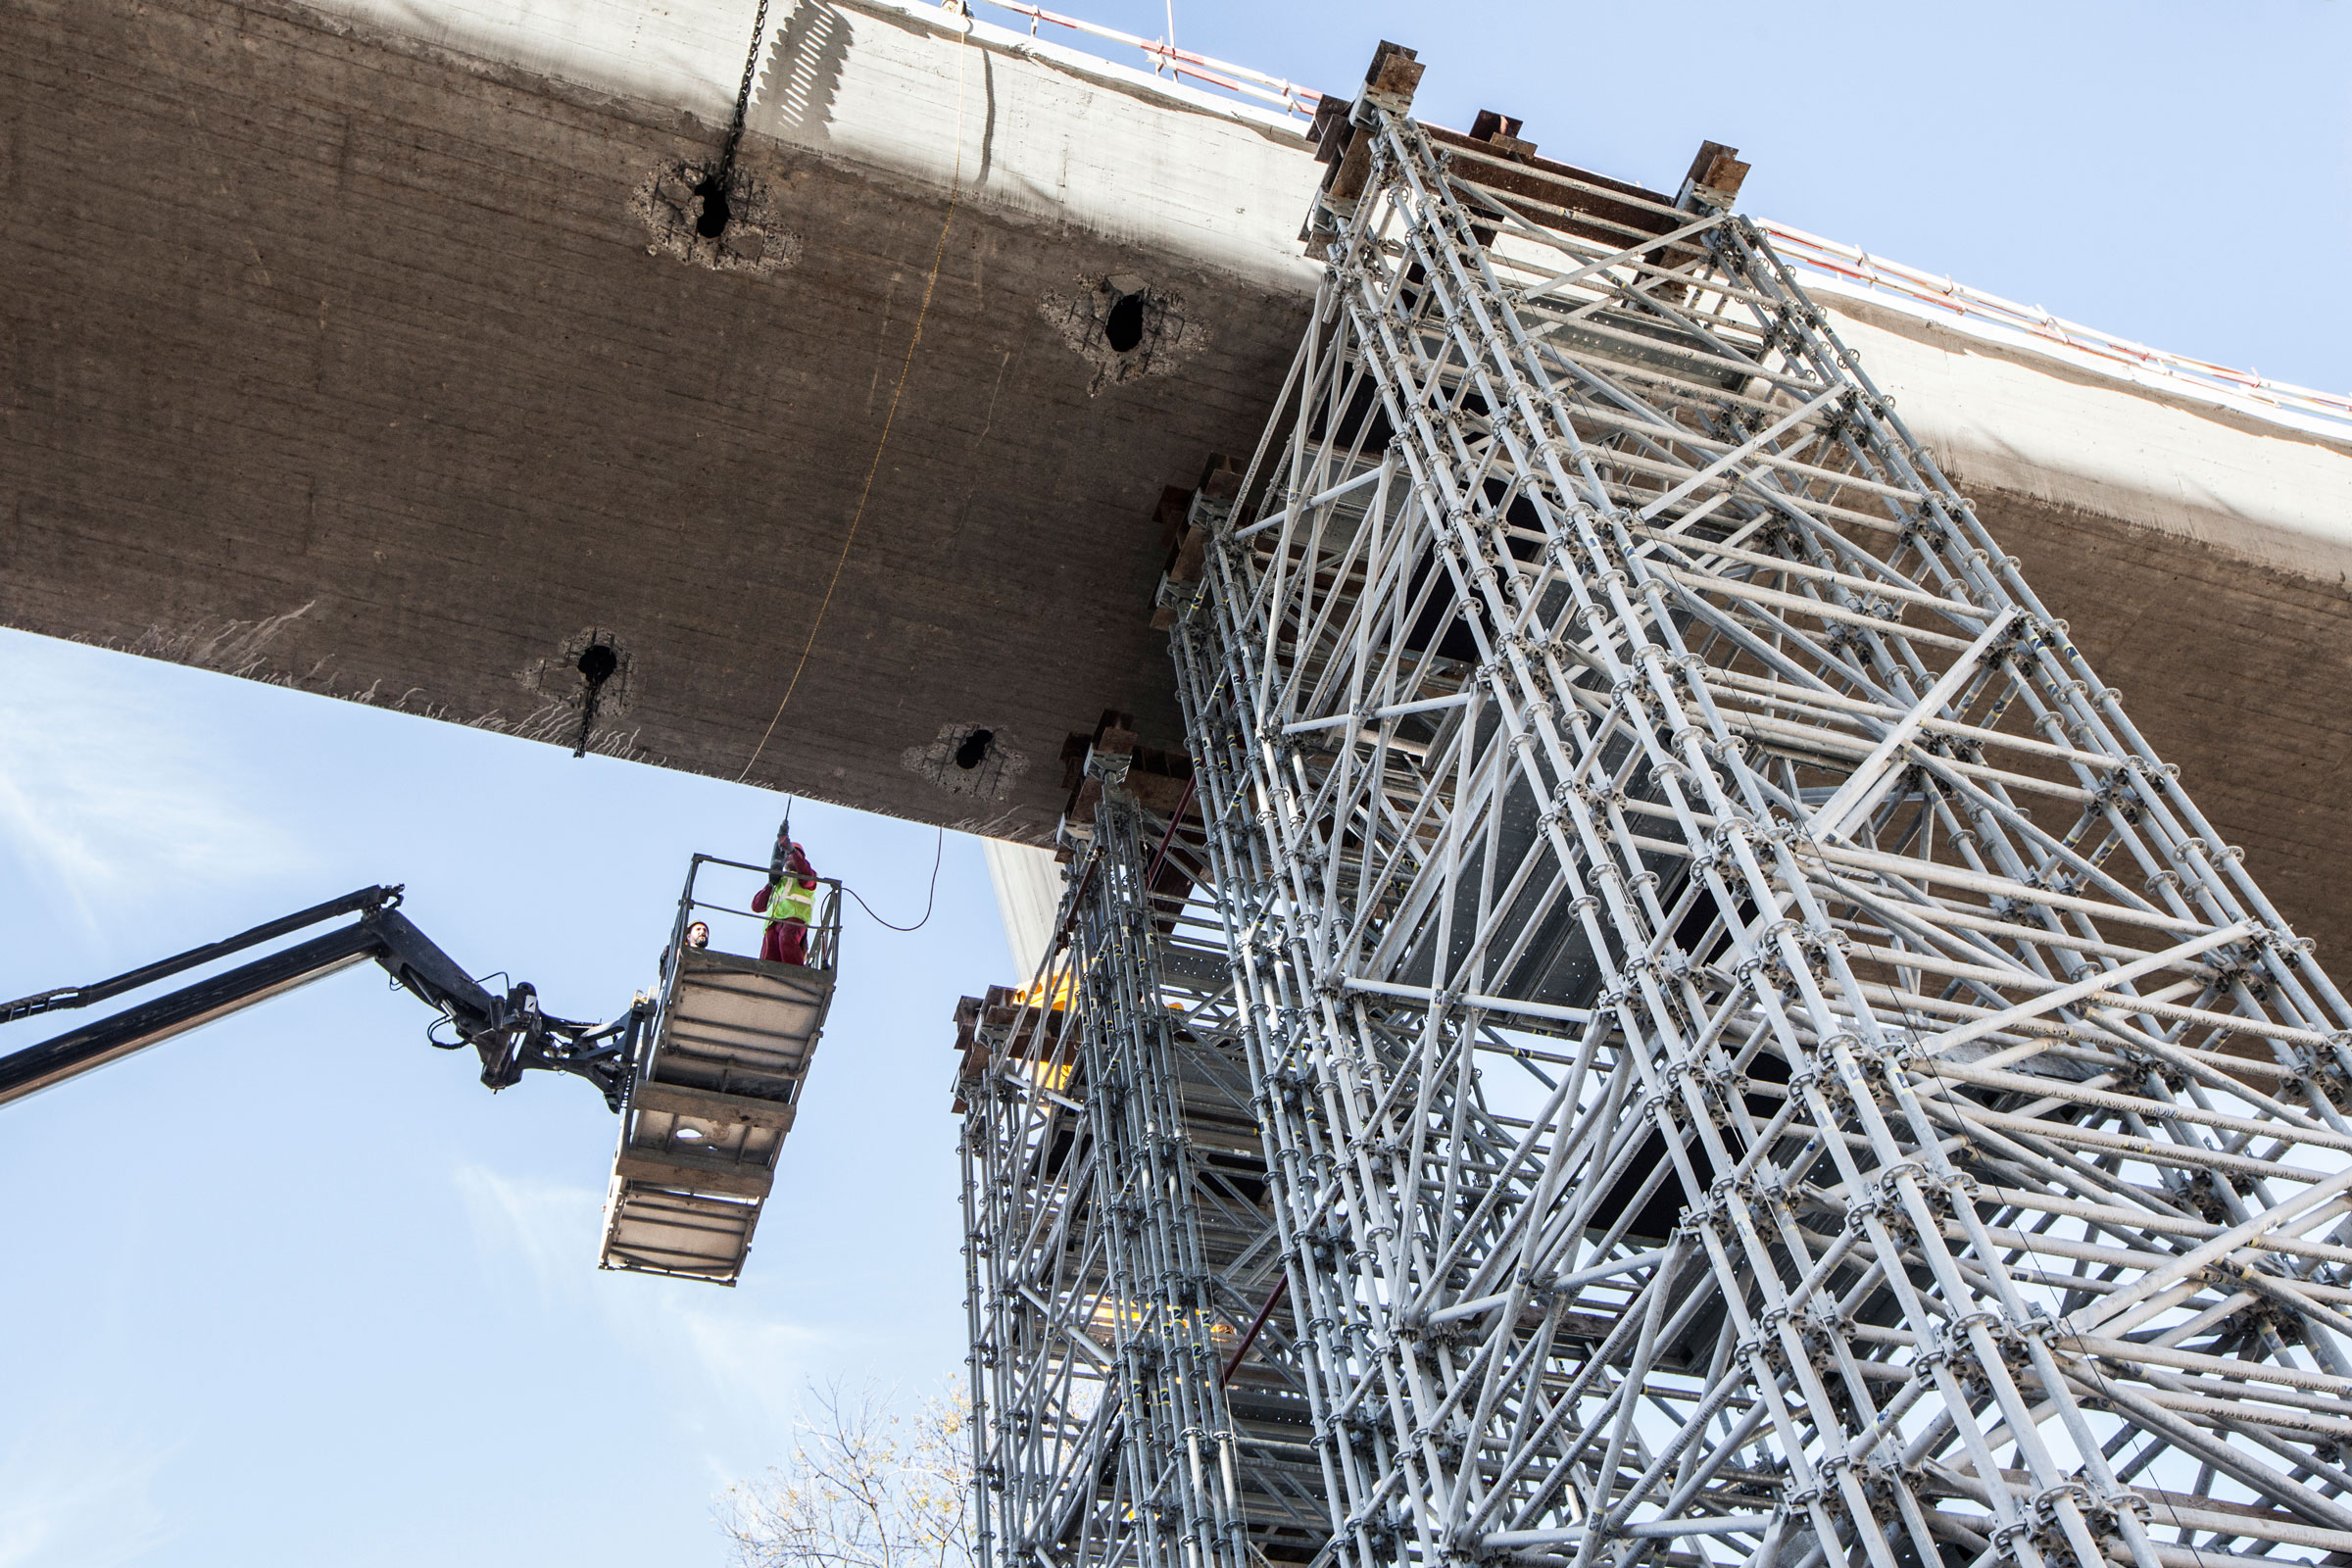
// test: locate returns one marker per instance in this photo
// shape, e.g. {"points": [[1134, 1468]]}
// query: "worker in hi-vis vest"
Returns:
{"points": [[788, 901]]}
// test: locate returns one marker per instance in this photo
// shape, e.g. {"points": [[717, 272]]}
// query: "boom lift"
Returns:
{"points": [[715, 1090], [706, 1074], [510, 1032]]}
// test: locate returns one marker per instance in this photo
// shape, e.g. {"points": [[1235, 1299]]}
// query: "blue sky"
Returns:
{"points": [[296, 1290], [2159, 169]]}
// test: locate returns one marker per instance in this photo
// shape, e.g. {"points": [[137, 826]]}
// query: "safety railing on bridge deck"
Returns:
{"points": [[1849, 264], [1857, 270], [1180, 64]]}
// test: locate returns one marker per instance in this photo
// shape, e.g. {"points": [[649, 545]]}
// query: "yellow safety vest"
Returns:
{"points": [[789, 901]]}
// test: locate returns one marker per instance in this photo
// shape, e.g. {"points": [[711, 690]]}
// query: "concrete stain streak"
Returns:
{"points": [[988, 419], [988, 123], [231, 648]]}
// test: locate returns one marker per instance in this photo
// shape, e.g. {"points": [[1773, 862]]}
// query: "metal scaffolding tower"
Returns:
{"points": [[1134, 1400], [1758, 1061]]}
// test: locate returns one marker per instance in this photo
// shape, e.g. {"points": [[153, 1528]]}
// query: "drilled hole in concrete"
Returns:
{"points": [[968, 758], [1123, 327], [716, 210], [579, 689], [598, 663], [737, 227]]}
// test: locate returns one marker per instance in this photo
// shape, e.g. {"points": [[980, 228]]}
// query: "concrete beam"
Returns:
{"points": [[369, 349], [343, 360]]}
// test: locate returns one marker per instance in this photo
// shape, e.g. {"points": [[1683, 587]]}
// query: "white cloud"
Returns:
{"points": [[78, 1495], [550, 1226], [112, 780], [736, 1372]]}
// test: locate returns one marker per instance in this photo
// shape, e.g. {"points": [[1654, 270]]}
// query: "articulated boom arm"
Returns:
{"points": [[509, 1032]]}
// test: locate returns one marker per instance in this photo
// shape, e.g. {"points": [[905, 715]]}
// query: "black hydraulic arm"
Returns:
{"points": [[109, 1039], [366, 899], [428, 974], [510, 1032]]}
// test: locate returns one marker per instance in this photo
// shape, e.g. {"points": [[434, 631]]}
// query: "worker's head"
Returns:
{"points": [[698, 935]]}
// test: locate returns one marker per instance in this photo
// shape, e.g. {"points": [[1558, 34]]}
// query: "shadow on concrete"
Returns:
{"points": [[804, 73]]}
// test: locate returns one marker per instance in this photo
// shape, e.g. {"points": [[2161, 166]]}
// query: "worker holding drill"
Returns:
{"points": [[788, 900]]}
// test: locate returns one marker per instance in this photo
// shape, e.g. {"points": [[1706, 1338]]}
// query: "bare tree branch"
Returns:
{"points": [[865, 1487]]}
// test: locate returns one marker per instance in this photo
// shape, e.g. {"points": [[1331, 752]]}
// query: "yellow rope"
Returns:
{"points": [[938, 256]]}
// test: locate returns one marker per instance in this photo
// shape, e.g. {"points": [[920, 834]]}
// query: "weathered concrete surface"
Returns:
{"points": [[336, 359], [2235, 672], [2200, 558], [362, 351], [2023, 423]]}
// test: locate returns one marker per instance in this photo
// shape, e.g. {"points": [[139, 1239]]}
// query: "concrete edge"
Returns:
{"points": [[1081, 65], [1960, 335]]}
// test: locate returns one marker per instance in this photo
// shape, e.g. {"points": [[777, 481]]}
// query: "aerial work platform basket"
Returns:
{"points": [[715, 1089]]}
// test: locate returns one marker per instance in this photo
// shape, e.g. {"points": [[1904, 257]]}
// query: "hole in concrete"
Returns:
{"points": [[728, 225], [966, 757], [1123, 327], [598, 663], [715, 211]]}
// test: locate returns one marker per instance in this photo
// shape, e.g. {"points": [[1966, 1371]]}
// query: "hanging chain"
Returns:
{"points": [[717, 208], [743, 94]]}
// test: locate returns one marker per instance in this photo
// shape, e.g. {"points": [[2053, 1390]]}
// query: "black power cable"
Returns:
{"points": [[928, 902]]}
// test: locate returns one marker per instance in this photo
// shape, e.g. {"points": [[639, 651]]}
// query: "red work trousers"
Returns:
{"points": [[786, 941]]}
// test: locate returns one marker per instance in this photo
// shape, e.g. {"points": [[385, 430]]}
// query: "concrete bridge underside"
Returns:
{"points": [[344, 358]]}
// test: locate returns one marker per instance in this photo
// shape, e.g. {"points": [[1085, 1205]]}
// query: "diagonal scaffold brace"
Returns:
{"points": [[1758, 1060]]}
